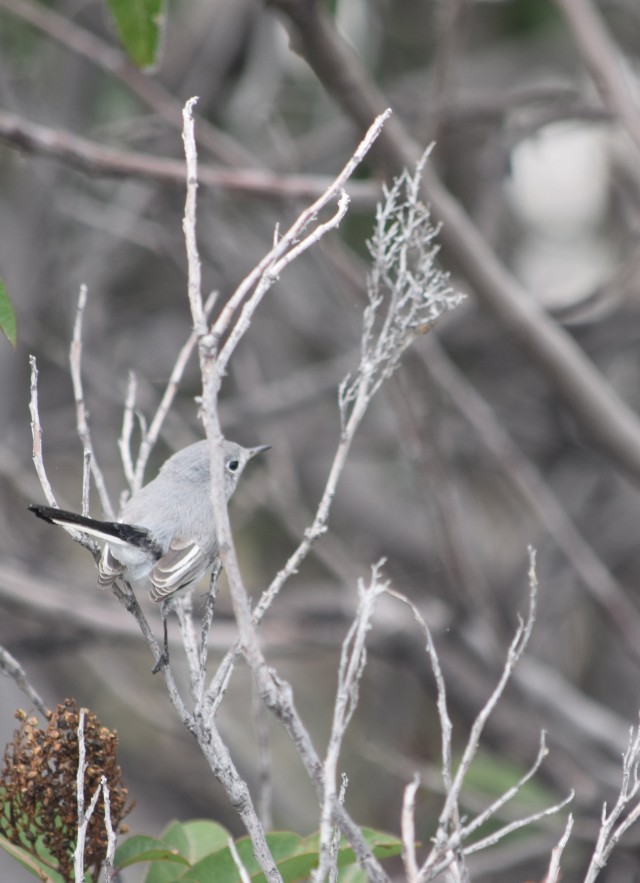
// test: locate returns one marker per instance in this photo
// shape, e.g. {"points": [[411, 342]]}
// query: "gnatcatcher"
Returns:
{"points": [[166, 531]]}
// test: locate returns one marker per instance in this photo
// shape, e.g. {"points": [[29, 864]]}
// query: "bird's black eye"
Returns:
{"points": [[232, 465]]}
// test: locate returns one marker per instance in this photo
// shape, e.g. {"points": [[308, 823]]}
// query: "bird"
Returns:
{"points": [[166, 531]]}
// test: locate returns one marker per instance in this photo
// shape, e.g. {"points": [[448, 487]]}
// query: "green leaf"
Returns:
{"points": [[196, 838], [492, 775], [30, 862], [352, 874], [146, 849], [295, 857], [139, 24], [193, 841], [7, 316]]}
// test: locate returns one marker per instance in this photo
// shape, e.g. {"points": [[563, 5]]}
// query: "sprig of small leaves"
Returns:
{"points": [[407, 291]]}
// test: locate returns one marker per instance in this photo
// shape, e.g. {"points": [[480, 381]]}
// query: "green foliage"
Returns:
{"points": [[198, 852], [140, 25], [7, 316], [526, 17], [36, 866]]}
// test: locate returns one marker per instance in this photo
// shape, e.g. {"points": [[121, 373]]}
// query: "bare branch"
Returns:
{"points": [[614, 823], [111, 834], [82, 422], [605, 416], [605, 63], [11, 667], [189, 222], [409, 830], [242, 871], [406, 290], [496, 836], [290, 245], [553, 871], [352, 661], [38, 461], [150, 436], [99, 159], [124, 442]]}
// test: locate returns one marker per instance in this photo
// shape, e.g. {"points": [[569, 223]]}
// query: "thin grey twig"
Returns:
{"points": [[242, 871], [287, 247], [553, 871], [408, 826], [605, 62], [189, 222], [183, 607], [228, 775], [265, 782], [86, 480], [449, 849], [12, 668], [82, 422], [124, 442], [38, 462], [111, 834], [150, 435], [205, 628], [615, 823], [83, 819], [516, 825], [352, 662], [96, 159]]}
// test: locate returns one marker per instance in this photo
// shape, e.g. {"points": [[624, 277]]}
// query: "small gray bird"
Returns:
{"points": [[166, 530]]}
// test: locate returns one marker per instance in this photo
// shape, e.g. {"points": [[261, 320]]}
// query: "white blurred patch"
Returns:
{"points": [[559, 189], [559, 179]]}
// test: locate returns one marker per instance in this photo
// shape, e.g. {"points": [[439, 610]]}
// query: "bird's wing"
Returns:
{"points": [[183, 563]]}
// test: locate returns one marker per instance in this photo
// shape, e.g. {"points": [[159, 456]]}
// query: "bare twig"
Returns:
{"points": [[189, 222], [150, 435], [183, 607], [12, 668], [615, 823], [608, 419], [83, 818], [38, 461], [99, 159], [205, 628], [149, 90], [553, 871], [265, 783], [253, 288], [409, 830], [274, 692], [604, 61], [82, 422], [229, 777], [352, 662], [516, 825], [507, 795], [522, 473], [86, 480], [450, 813], [111, 834], [124, 442], [242, 871]]}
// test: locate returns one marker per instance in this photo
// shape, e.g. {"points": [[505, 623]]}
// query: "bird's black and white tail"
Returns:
{"points": [[113, 532]]}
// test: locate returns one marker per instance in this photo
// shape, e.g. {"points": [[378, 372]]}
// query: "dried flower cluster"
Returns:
{"points": [[38, 788]]}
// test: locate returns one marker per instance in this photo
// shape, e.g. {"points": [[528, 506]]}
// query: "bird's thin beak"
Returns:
{"points": [[252, 452]]}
